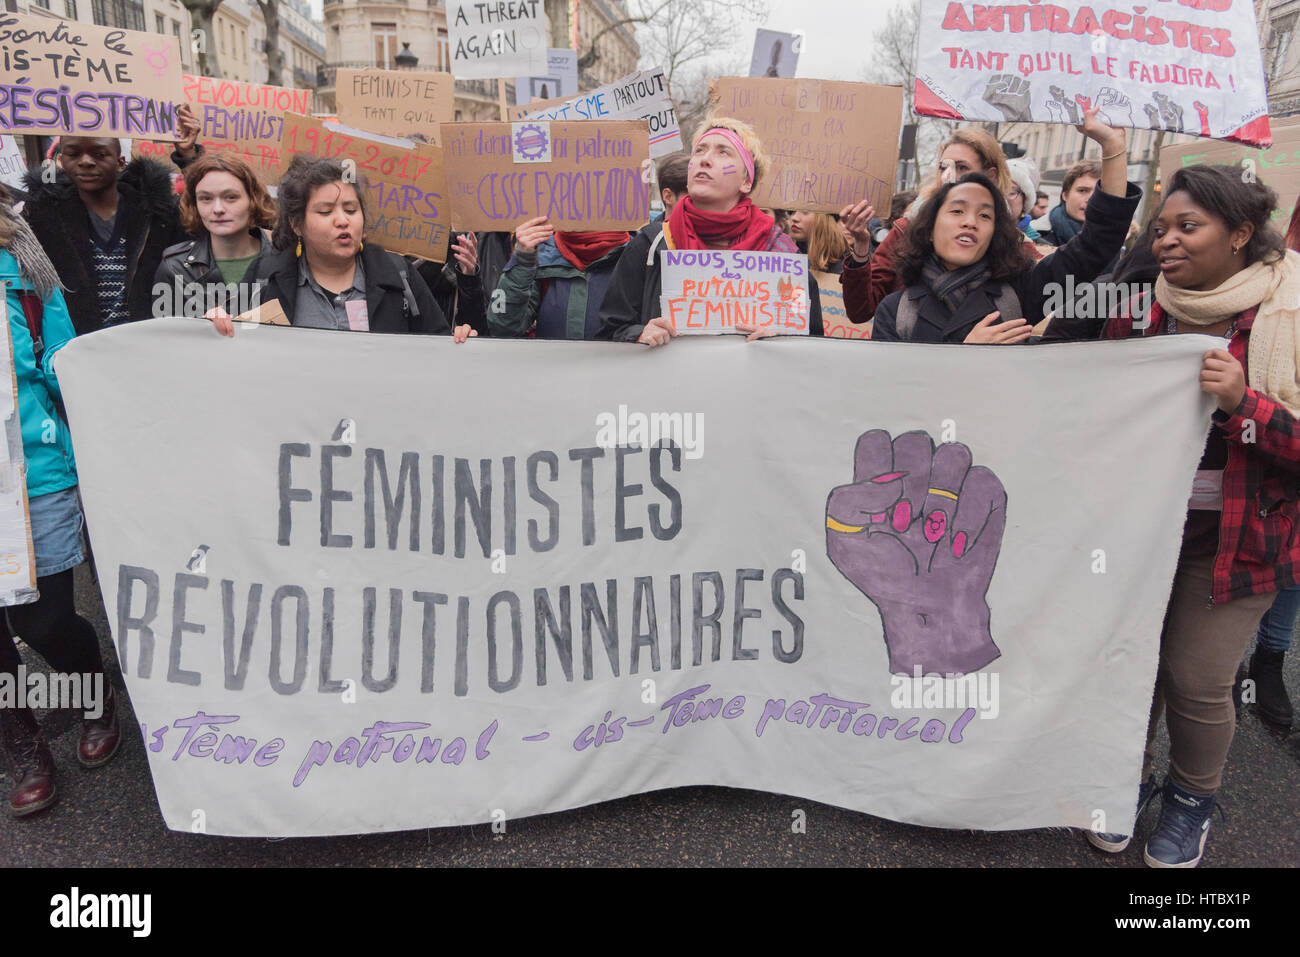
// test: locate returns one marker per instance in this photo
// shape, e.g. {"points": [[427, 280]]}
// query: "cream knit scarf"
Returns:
{"points": [[1273, 355]]}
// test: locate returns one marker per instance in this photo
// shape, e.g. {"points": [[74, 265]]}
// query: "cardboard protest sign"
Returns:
{"points": [[561, 78], [584, 176], [830, 143], [12, 163], [1194, 67], [242, 118], [728, 552], [497, 39], [395, 102], [268, 313], [405, 207], [17, 558], [643, 95], [1278, 166], [775, 54], [709, 292], [835, 318], [63, 76]]}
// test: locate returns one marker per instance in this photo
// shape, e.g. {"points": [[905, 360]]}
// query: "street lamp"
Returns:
{"points": [[406, 60]]}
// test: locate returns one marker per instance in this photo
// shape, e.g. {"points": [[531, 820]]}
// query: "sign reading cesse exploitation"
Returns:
{"points": [[63, 76], [583, 176]]}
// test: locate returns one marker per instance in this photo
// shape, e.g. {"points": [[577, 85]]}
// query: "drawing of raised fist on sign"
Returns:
{"points": [[1116, 108], [1164, 113], [1009, 94], [1063, 108], [919, 531]]}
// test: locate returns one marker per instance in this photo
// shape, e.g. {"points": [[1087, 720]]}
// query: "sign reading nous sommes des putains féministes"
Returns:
{"points": [[682, 567]]}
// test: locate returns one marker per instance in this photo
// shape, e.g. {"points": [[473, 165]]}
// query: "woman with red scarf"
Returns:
{"points": [[727, 161], [554, 282]]}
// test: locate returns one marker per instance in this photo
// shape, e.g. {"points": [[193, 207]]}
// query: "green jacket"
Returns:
{"points": [[546, 288]]}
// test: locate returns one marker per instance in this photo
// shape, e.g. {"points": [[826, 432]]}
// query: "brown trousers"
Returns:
{"points": [[1200, 649]]}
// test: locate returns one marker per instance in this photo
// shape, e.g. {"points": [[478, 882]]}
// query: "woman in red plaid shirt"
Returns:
{"points": [[1224, 272]]}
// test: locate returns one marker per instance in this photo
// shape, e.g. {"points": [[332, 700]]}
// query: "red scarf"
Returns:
{"points": [[583, 249], [744, 226]]}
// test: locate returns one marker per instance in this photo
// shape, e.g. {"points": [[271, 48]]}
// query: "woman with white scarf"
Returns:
{"points": [[1223, 272]]}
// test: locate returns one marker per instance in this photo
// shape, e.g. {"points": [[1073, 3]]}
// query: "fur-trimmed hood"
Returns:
{"points": [[144, 179]]}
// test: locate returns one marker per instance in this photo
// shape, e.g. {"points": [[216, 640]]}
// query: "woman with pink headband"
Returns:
{"points": [[727, 161]]}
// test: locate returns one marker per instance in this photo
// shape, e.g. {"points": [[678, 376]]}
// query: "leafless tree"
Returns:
{"points": [[274, 58], [205, 45], [893, 62]]}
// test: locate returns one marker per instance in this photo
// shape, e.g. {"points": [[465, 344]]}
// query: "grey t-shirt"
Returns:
{"points": [[318, 309], [102, 228]]}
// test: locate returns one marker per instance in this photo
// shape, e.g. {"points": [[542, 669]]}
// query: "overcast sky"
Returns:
{"points": [[838, 34]]}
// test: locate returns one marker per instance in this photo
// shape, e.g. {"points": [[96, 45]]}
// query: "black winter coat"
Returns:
{"points": [[1083, 258], [192, 263], [632, 298], [61, 223], [397, 299]]}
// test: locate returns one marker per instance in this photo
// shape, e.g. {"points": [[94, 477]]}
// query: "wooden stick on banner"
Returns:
{"points": [[501, 97]]}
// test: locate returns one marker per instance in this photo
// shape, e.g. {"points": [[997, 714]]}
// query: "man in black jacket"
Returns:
{"points": [[104, 224]]}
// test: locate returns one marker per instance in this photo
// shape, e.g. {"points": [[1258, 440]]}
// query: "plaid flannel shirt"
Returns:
{"points": [[1259, 550]]}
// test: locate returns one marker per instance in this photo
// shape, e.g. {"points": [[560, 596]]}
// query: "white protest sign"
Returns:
{"points": [[643, 95], [775, 54], [460, 613], [711, 292], [17, 559], [1192, 67], [12, 163], [561, 78], [503, 38]]}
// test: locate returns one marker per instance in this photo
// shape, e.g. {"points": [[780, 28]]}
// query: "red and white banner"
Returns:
{"points": [[1185, 66]]}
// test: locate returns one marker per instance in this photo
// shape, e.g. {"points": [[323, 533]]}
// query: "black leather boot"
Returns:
{"points": [[1270, 691], [31, 786]]}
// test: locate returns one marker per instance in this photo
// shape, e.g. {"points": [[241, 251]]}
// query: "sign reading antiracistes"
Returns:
{"points": [[712, 292], [497, 39], [583, 176], [830, 144], [1182, 68], [690, 570], [17, 559], [643, 95], [406, 207], [63, 76]]}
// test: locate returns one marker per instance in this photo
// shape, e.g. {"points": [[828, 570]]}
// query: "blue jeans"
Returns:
{"points": [[1278, 624]]}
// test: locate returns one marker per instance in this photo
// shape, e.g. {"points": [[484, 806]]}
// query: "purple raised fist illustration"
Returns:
{"points": [[918, 532]]}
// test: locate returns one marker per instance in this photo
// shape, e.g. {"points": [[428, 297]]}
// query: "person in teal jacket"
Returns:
{"points": [[39, 326]]}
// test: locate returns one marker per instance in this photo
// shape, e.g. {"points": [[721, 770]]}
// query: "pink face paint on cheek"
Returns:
{"points": [[959, 545], [902, 516]]}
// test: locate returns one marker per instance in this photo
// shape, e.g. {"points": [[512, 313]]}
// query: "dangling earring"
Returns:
{"points": [[298, 253], [1235, 249], [361, 245]]}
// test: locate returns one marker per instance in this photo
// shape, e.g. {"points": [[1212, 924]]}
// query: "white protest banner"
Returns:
{"points": [[12, 163], [583, 176], [64, 76], [405, 185], [17, 559], [459, 613], [835, 318], [775, 54], [830, 143], [709, 292], [242, 118], [395, 102], [502, 38], [1192, 67], [561, 78], [643, 95]]}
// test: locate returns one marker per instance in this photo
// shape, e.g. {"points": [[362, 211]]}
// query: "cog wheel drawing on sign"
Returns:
{"points": [[531, 141]]}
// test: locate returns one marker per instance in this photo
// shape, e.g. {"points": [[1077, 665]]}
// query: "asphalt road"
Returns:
{"points": [[109, 818]]}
